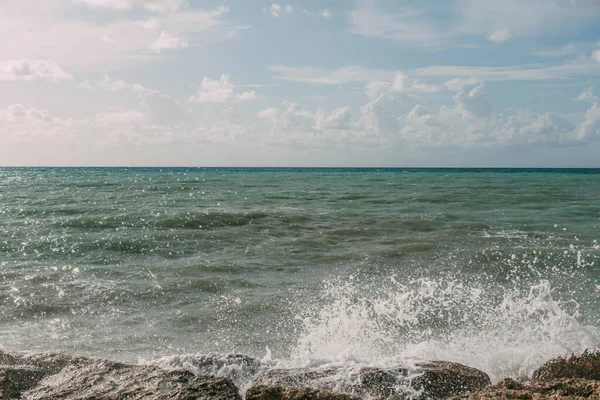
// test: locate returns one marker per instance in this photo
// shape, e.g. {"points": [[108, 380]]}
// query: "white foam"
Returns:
{"points": [[505, 331]]}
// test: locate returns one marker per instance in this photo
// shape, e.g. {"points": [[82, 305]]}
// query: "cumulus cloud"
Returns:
{"points": [[115, 85], [590, 127], [220, 91], [376, 88], [18, 123], [29, 70], [473, 103], [587, 96], [168, 41], [268, 113], [338, 119]]}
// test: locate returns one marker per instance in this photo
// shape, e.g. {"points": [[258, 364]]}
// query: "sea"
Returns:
{"points": [[498, 269]]}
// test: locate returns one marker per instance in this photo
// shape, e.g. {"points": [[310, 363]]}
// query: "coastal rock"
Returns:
{"points": [[430, 380], [239, 368], [55, 376], [585, 366], [567, 378], [564, 389], [261, 392]]}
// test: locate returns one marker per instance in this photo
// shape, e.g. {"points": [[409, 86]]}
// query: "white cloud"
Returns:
{"points": [[275, 10], [108, 44], [473, 103], [159, 6], [338, 119], [500, 35], [220, 91], [587, 96], [590, 127], [403, 84], [268, 113], [596, 55], [390, 122], [19, 123], [168, 41], [458, 84], [377, 88], [29, 70], [289, 9], [115, 85], [326, 13]]}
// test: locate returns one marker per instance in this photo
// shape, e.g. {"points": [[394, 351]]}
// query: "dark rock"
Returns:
{"points": [[564, 389], [260, 392], [431, 380], [585, 366], [442, 379], [55, 376]]}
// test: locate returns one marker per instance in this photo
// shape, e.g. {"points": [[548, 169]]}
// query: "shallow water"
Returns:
{"points": [[497, 269]]}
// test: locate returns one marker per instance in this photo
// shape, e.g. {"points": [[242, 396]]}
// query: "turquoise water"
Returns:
{"points": [[494, 268]]}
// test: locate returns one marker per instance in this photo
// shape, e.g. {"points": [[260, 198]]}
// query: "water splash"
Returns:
{"points": [[505, 327]]}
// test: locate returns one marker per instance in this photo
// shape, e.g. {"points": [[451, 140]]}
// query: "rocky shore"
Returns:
{"points": [[234, 377]]}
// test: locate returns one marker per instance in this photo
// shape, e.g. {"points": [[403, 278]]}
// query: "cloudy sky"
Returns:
{"points": [[300, 82]]}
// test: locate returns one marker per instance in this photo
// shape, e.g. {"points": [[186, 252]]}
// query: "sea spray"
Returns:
{"points": [[506, 327]]}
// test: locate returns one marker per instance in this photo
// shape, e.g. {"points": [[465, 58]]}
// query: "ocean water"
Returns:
{"points": [[496, 269]]}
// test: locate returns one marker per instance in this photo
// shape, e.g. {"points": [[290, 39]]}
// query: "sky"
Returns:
{"points": [[454, 83]]}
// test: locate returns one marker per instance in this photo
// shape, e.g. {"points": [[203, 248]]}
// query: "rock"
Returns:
{"points": [[55, 376], [261, 392], [239, 368], [431, 380], [585, 366], [442, 379], [564, 389]]}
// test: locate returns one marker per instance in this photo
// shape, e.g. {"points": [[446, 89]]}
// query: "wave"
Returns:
{"points": [[505, 327]]}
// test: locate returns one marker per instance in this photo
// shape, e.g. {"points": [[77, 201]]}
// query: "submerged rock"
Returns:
{"points": [[430, 380], [55, 376]]}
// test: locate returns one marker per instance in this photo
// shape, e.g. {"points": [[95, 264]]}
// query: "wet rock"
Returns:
{"points": [[564, 389], [239, 368], [55, 376], [261, 392], [442, 379], [585, 366], [431, 380]]}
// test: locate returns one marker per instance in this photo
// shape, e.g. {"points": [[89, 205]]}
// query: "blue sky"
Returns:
{"points": [[300, 83]]}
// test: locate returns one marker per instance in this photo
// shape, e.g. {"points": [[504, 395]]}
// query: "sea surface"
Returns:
{"points": [[498, 269]]}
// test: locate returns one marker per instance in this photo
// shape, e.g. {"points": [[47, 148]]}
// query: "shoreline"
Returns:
{"points": [[62, 376]]}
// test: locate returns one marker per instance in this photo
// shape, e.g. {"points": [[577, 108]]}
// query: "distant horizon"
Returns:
{"points": [[291, 167]]}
